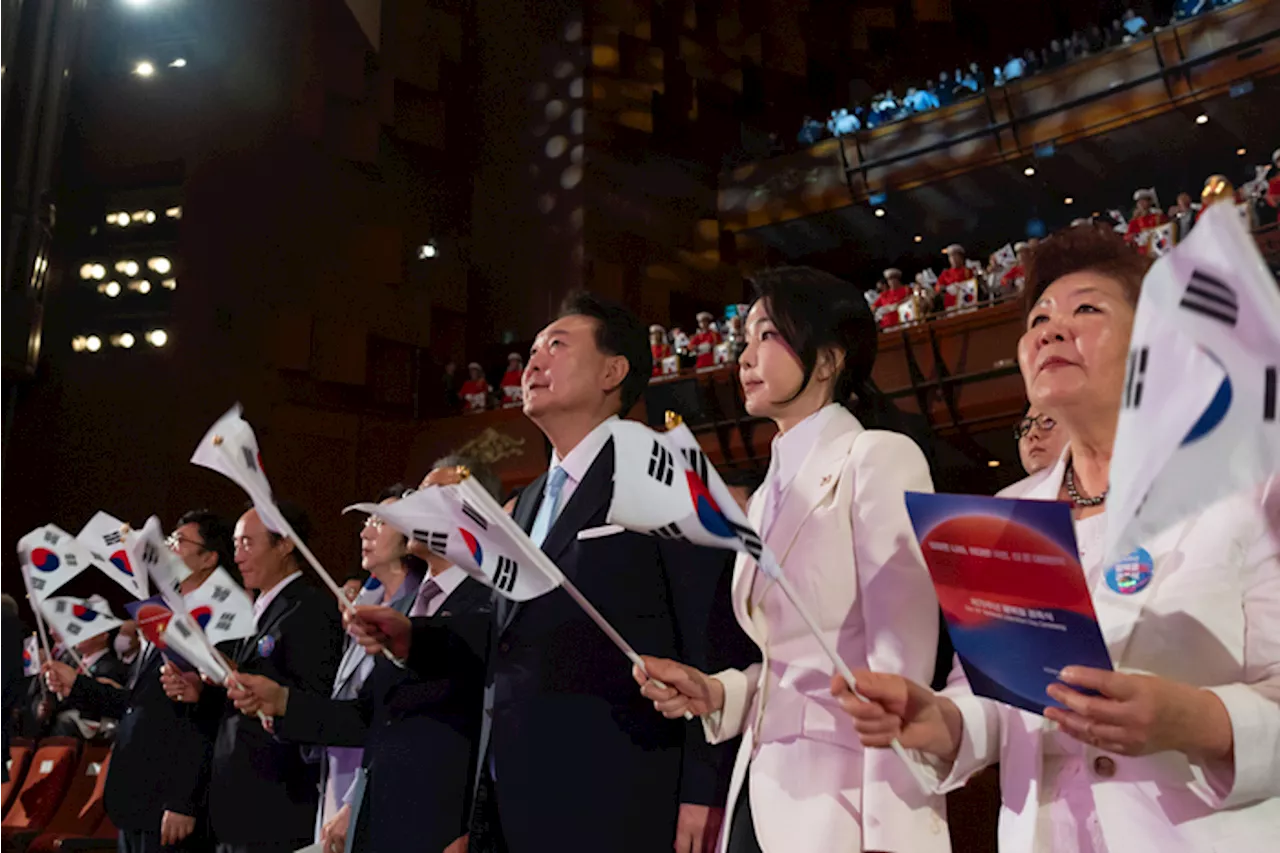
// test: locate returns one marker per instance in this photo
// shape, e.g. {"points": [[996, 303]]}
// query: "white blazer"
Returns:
{"points": [[1210, 616], [843, 537]]}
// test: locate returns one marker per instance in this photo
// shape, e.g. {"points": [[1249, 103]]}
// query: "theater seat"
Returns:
{"points": [[105, 837], [81, 810], [19, 756], [49, 774]]}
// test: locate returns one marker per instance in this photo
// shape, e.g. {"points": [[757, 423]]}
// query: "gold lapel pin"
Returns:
{"points": [[217, 441], [825, 480]]}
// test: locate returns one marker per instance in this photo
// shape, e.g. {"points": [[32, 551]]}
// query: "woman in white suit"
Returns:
{"points": [[831, 509], [1179, 749]]}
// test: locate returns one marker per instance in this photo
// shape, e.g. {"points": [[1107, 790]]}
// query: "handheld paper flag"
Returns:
{"points": [[31, 655], [461, 533], [76, 619], [221, 608], [150, 554], [183, 635], [1199, 414], [107, 538], [51, 557], [1006, 257]]}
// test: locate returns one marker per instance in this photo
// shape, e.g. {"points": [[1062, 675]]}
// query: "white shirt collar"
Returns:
{"points": [[584, 453], [90, 660], [448, 580], [264, 599], [791, 447]]}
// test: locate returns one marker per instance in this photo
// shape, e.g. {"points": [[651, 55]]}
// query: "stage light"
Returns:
{"points": [[147, 216], [1068, 200], [144, 69], [157, 337], [99, 272], [1029, 171], [111, 289], [93, 343], [159, 264], [174, 212], [178, 63], [880, 212], [86, 271], [77, 343], [124, 340], [129, 268], [993, 463], [140, 286], [121, 219], [919, 239], [169, 284], [1202, 119], [427, 251], [1240, 152]]}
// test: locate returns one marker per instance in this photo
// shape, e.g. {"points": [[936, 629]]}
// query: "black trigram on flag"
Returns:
{"points": [[220, 594], [73, 628], [1137, 376], [60, 606], [660, 464], [70, 560], [51, 538], [249, 461], [1211, 297], [112, 538], [150, 554], [1269, 395], [671, 531], [697, 461], [750, 540], [437, 542], [504, 575], [224, 621], [474, 514]]}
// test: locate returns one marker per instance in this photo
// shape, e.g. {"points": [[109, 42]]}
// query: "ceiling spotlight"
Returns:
{"points": [[427, 251], [144, 69], [919, 238], [178, 63], [1240, 152], [147, 216], [86, 271], [127, 267], [111, 219], [93, 343], [1202, 119], [140, 286], [1068, 200], [880, 212], [169, 284], [159, 264], [77, 343], [1029, 171], [121, 219], [111, 289], [124, 340], [157, 337], [174, 212], [993, 463], [99, 272]]}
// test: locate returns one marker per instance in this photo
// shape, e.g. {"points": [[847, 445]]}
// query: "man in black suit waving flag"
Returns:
{"points": [[572, 758]]}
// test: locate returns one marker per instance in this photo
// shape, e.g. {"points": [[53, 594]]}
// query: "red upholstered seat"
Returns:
{"points": [[49, 774], [82, 808], [19, 756]]}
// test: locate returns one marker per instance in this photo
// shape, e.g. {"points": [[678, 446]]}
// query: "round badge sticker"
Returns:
{"points": [[266, 645], [1132, 574]]}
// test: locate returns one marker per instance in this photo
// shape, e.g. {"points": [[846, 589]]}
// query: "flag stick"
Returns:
{"points": [[477, 493], [35, 609]]}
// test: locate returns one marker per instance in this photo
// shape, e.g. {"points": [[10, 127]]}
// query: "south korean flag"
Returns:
{"points": [[108, 538], [664, 486], [1199, 409]]}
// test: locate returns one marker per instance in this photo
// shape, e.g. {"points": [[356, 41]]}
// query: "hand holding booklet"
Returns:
{"points": [[1011, 588]]}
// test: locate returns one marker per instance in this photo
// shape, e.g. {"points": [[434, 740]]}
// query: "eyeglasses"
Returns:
{"points": [[1024, 426], [375, 522], [174, 540]]}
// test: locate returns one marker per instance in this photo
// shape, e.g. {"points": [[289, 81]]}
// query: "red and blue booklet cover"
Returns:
{"points": [[1016, 600], [152, 616]]}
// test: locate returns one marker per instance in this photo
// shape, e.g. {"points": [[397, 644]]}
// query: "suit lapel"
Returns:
{"points": [[274, 613], [592, 494], [818, 475]]}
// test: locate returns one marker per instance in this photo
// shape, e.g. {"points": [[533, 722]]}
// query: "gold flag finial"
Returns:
{"points": [[217, 441], [1217, 188], [673, 419], [463, 472]]}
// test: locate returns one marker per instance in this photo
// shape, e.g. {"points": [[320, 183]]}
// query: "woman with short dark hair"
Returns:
{"points": [[831, 509], [1178, 748]]}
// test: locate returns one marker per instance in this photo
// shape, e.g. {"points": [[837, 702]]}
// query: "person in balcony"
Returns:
{"points": [[659, 347], [1011, 281], [1032, 61], [704, 342], [1055, 57], [510, 386], [946, 97], [811, 130], [1014, 67], [475, 391], [1273, 182], [895, 293], [949, 281], [1134, 24], [843, 123], [920, 100], [1146, 215], [975, 71]]}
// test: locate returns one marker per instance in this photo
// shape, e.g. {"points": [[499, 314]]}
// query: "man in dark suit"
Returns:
{"points": [[155, 788], [408, 804], [262, 794], [571, 756]]}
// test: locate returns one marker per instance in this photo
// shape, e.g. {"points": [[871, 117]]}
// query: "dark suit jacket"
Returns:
{"points": [[419, 737], [582, 761], [160, 761], [14, 689], [261, 790]]}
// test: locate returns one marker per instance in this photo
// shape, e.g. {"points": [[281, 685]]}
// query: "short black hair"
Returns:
{"points": [[814, 310], [618, 332], [215, 532]]}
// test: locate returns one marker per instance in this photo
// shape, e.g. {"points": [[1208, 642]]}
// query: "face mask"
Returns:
{"points": [[123, 646]]}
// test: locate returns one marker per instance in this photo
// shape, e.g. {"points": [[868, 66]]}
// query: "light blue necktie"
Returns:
{"points": [[550, 506]]}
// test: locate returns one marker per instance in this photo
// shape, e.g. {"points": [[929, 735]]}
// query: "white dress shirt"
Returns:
{"points": [[264, 599], [448, 580], [787, 454], [579, 460]]}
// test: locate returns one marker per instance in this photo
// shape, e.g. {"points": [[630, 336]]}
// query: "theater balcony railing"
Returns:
{"points": [[1167, 70]]}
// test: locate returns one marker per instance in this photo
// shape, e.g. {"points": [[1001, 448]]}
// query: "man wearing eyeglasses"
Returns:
{"points": [[1040, 442], [155, 790]]}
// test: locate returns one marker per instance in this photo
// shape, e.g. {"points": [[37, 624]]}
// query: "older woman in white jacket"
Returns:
{"points": [[831, 509], [1178, 749]]}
